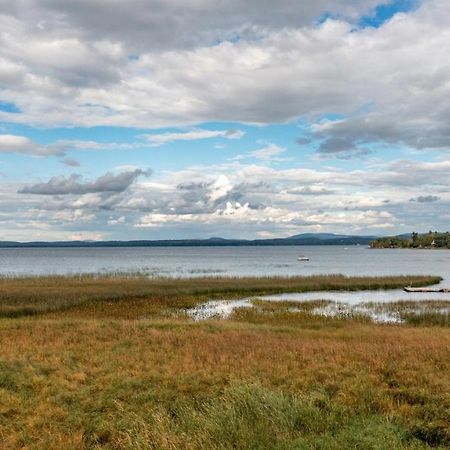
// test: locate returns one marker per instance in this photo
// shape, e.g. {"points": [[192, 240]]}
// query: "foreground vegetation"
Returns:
{"points": [[125, 368], [433, 239]]}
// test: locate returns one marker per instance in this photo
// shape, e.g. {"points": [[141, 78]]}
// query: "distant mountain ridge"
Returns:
{"points": [[300, 239], [326, 236]]}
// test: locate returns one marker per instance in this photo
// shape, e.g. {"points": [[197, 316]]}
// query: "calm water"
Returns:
{"points": [[244, 261], [225, 261]]}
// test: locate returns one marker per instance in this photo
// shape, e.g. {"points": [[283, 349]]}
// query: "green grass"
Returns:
{"points": [[249, 416]]}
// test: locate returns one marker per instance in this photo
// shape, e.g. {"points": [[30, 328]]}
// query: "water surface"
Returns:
{"points": [[244, 261], [225, 261]]}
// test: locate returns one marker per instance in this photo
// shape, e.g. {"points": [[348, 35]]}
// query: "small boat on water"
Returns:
{"points": [[302, 258], [410, 289]]}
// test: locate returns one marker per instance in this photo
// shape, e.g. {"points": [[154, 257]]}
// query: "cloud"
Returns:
{"points": [[150, 64], [117, 221], [193, 135], [411, 174], [233, 199], [143, 25], [71, 162], [426, 199], [277, 67], [312, 190], [270, 152], [75, 185], [23, 145], [10, 143]]}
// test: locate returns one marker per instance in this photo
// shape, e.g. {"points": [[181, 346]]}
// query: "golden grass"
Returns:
{"points": [[97, 376], [72, 382], [38, 295]]}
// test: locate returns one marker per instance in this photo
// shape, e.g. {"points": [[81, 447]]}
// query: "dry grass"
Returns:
{"points": [[31, 296], [111, 384], [418, 313], [273, 379]]}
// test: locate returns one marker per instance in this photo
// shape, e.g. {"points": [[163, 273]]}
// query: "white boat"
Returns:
{"points": [[303, 258]]}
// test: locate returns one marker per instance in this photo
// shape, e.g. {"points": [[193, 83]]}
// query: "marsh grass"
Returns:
{"points": [[38, 295], [432, 318], [115, 366], [120, 384], [295, 314], [308, 305], [418, 313]]}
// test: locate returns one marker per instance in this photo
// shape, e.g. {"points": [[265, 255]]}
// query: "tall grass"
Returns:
{"points": [[84, 376], [418, 313], [37, 295], [102, 384]]}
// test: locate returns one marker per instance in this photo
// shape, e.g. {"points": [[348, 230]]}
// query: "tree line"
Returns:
{"points": [[432, 239]]}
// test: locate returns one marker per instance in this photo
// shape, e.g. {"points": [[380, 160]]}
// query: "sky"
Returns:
{"points": [[167, 119]]}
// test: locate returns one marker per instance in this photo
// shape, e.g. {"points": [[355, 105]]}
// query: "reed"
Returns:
{"points": [[418, 313], [39, 295]]}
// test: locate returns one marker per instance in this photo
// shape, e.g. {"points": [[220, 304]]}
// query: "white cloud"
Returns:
{"points": [[239, 200], [117, 221], [192, 135], [10, 143], [269, 153], [236, 62], [290, 71]]}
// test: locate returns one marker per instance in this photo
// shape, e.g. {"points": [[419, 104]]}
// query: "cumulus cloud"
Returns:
{"points": [[153, 64], [235, 199], [75, 185], [369, 76], [143, 25]]}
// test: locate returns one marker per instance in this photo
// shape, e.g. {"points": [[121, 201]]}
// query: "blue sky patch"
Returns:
{"points": [[386, 11]]}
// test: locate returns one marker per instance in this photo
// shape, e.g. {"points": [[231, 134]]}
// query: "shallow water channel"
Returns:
{"points": [[378, 305]]}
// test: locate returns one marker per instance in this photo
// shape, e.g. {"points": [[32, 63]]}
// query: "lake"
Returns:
{"points": [[225, 261], [243, 261]]}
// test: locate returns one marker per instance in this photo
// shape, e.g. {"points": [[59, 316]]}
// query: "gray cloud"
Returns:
{"points": [[426, 199], [160, 25], [313, 191], [406, 173], [290, 71], [75, 185], [352, 135], [342, 147], [71, 162]]}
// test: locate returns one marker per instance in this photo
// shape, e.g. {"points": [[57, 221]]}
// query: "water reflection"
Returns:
{"points": [[379, 306]]}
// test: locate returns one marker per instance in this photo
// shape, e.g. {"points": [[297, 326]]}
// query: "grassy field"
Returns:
{"points": [[108, 363]]}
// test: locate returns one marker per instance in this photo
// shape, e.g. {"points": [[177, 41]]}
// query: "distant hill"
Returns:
{"points": [[327, 236], [300, 239]]}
